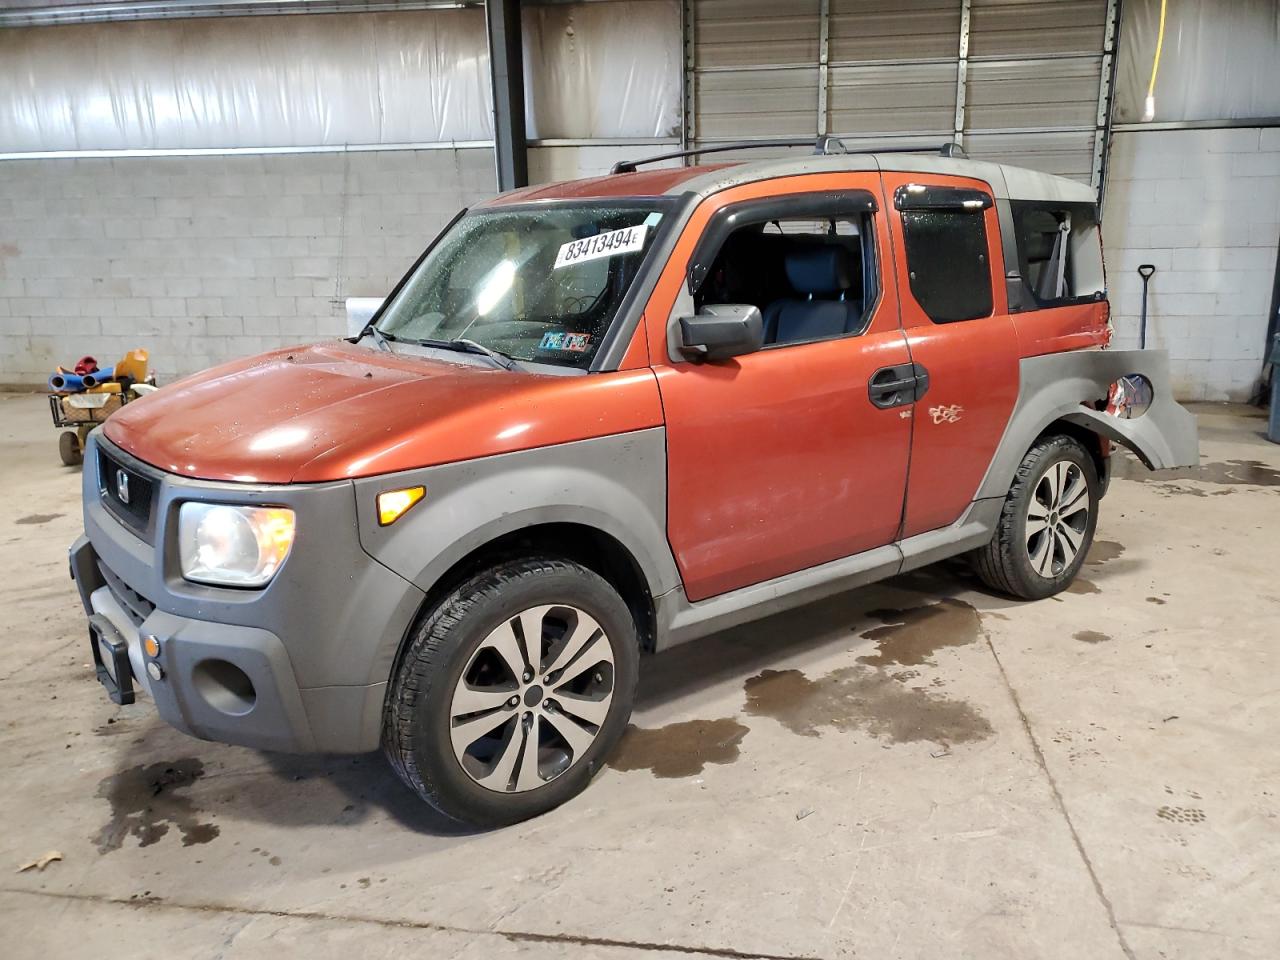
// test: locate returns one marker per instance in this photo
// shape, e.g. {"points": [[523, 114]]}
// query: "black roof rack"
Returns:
{"points": [[824, 145]]}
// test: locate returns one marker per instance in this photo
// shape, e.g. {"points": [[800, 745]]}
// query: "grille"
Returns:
{"points": [[135, 604], [126, 492]]}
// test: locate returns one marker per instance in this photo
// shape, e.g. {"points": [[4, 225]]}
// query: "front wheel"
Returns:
{"points": [[1046, 525], [512, 691]]}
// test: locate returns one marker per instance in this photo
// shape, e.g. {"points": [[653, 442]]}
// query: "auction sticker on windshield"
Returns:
{"points": [[607, 244]]}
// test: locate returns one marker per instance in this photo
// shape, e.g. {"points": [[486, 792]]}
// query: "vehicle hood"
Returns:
{"points": [[341, 410]]}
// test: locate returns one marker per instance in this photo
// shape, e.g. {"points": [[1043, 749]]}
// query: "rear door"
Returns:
{"points": [[946, 245], [780, 460]]}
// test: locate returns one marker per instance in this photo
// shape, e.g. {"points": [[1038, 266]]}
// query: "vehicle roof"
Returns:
{"points": [[1007, 182]]}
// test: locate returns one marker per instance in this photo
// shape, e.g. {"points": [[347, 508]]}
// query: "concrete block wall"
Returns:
{"points": [[1203, 206], [204, 259]]}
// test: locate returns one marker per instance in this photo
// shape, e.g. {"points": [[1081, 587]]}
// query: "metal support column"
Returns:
{"points": [[824, 34], [506, 67], [1106, 97], [688, 78], [962, 72]]}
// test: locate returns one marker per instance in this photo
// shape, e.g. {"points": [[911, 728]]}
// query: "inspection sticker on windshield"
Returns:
{"points": [[572, 342], [607, 244]]}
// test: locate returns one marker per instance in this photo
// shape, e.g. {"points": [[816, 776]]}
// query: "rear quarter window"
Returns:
{"points": [[1059, 253]]}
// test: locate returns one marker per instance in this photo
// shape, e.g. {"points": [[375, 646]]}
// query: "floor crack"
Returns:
{"points": [[1174, 928], [514, 936], [1057, 798]]}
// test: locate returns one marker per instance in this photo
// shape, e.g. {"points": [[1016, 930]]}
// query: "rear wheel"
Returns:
{"points": [[1047, 523], [512, 691]]}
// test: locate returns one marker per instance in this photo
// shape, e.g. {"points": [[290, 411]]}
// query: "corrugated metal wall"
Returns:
{"points": [[1014, 80]]}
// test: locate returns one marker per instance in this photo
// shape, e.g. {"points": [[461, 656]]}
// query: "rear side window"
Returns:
{"points": [[1059, 253], [947, 262]]}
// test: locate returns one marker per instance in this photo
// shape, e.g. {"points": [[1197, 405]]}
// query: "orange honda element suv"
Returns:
{"points": [[600, 418]]}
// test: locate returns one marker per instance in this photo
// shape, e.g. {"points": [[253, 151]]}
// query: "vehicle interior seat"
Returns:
{"points": [[824, 275]]}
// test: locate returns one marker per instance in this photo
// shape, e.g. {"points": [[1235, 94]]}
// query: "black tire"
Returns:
{"points": [[1005, 564], [69, 449], [416, 722]]}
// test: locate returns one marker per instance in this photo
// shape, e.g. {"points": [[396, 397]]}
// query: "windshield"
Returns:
{"points": [[540, 284]]}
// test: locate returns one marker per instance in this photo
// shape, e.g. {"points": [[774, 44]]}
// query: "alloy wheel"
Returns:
{"points": [[532, 698], [1057, 518]]}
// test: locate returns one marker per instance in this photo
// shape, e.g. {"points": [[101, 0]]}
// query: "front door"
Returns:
{"points": [[789, 457]]}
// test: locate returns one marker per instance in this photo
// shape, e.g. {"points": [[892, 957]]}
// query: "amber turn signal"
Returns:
{"points": [[394, 504]]}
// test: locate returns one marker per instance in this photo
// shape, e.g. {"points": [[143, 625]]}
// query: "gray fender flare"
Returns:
{"points": [[616, 485], [1057, 386]]}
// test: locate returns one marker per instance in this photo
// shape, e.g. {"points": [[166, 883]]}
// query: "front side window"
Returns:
{"points": [[947, 262], [538, 284], [811, 277]]}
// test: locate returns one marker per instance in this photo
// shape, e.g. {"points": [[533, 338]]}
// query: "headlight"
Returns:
{"points": [[1130, 397], [233, 546]]}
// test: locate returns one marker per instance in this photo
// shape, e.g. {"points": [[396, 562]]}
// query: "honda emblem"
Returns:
{"points": [[122, 486]]}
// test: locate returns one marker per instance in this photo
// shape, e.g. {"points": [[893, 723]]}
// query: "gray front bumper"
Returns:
{"points": [[315, 645]]}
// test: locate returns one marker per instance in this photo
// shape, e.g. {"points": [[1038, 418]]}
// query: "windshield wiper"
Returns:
{"points": [[383, 340], [503, 360]]}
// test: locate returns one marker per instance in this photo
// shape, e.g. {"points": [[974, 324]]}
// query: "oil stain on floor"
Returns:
{"points": [[863, 697], [1092, 636], [1228, 473], [1103, 551], [860, 698], [911, 637], [38, 518], [1082, 586], [145, 802], [1174, 490], [679, 749]]}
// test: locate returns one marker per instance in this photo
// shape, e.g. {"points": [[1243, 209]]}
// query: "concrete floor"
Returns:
{"points": [[913, 770]]}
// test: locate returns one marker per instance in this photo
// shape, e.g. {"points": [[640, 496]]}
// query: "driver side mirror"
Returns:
{"points": [[722, 330]]}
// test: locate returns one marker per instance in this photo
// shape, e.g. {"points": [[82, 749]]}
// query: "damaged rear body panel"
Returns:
{"points": [[1061, 386]]}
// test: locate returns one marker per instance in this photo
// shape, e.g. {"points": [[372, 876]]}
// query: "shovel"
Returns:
{"points": [[1145, 271]]}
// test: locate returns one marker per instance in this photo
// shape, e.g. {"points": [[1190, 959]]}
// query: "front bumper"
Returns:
{"points": [[300, 666], [216, 681]]}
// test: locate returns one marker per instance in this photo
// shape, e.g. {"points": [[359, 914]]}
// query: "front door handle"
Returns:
{"points": [[897, 386]]}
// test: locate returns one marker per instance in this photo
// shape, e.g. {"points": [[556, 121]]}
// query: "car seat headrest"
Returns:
{"points": [[819, 271]]}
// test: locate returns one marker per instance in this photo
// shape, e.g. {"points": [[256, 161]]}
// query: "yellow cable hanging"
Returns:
{"points": [[1149, 109]]}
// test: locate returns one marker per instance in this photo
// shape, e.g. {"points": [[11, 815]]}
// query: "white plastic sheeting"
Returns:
{"points": [[594, 70], [261, 82], [1221, 61], [603, 69]]}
